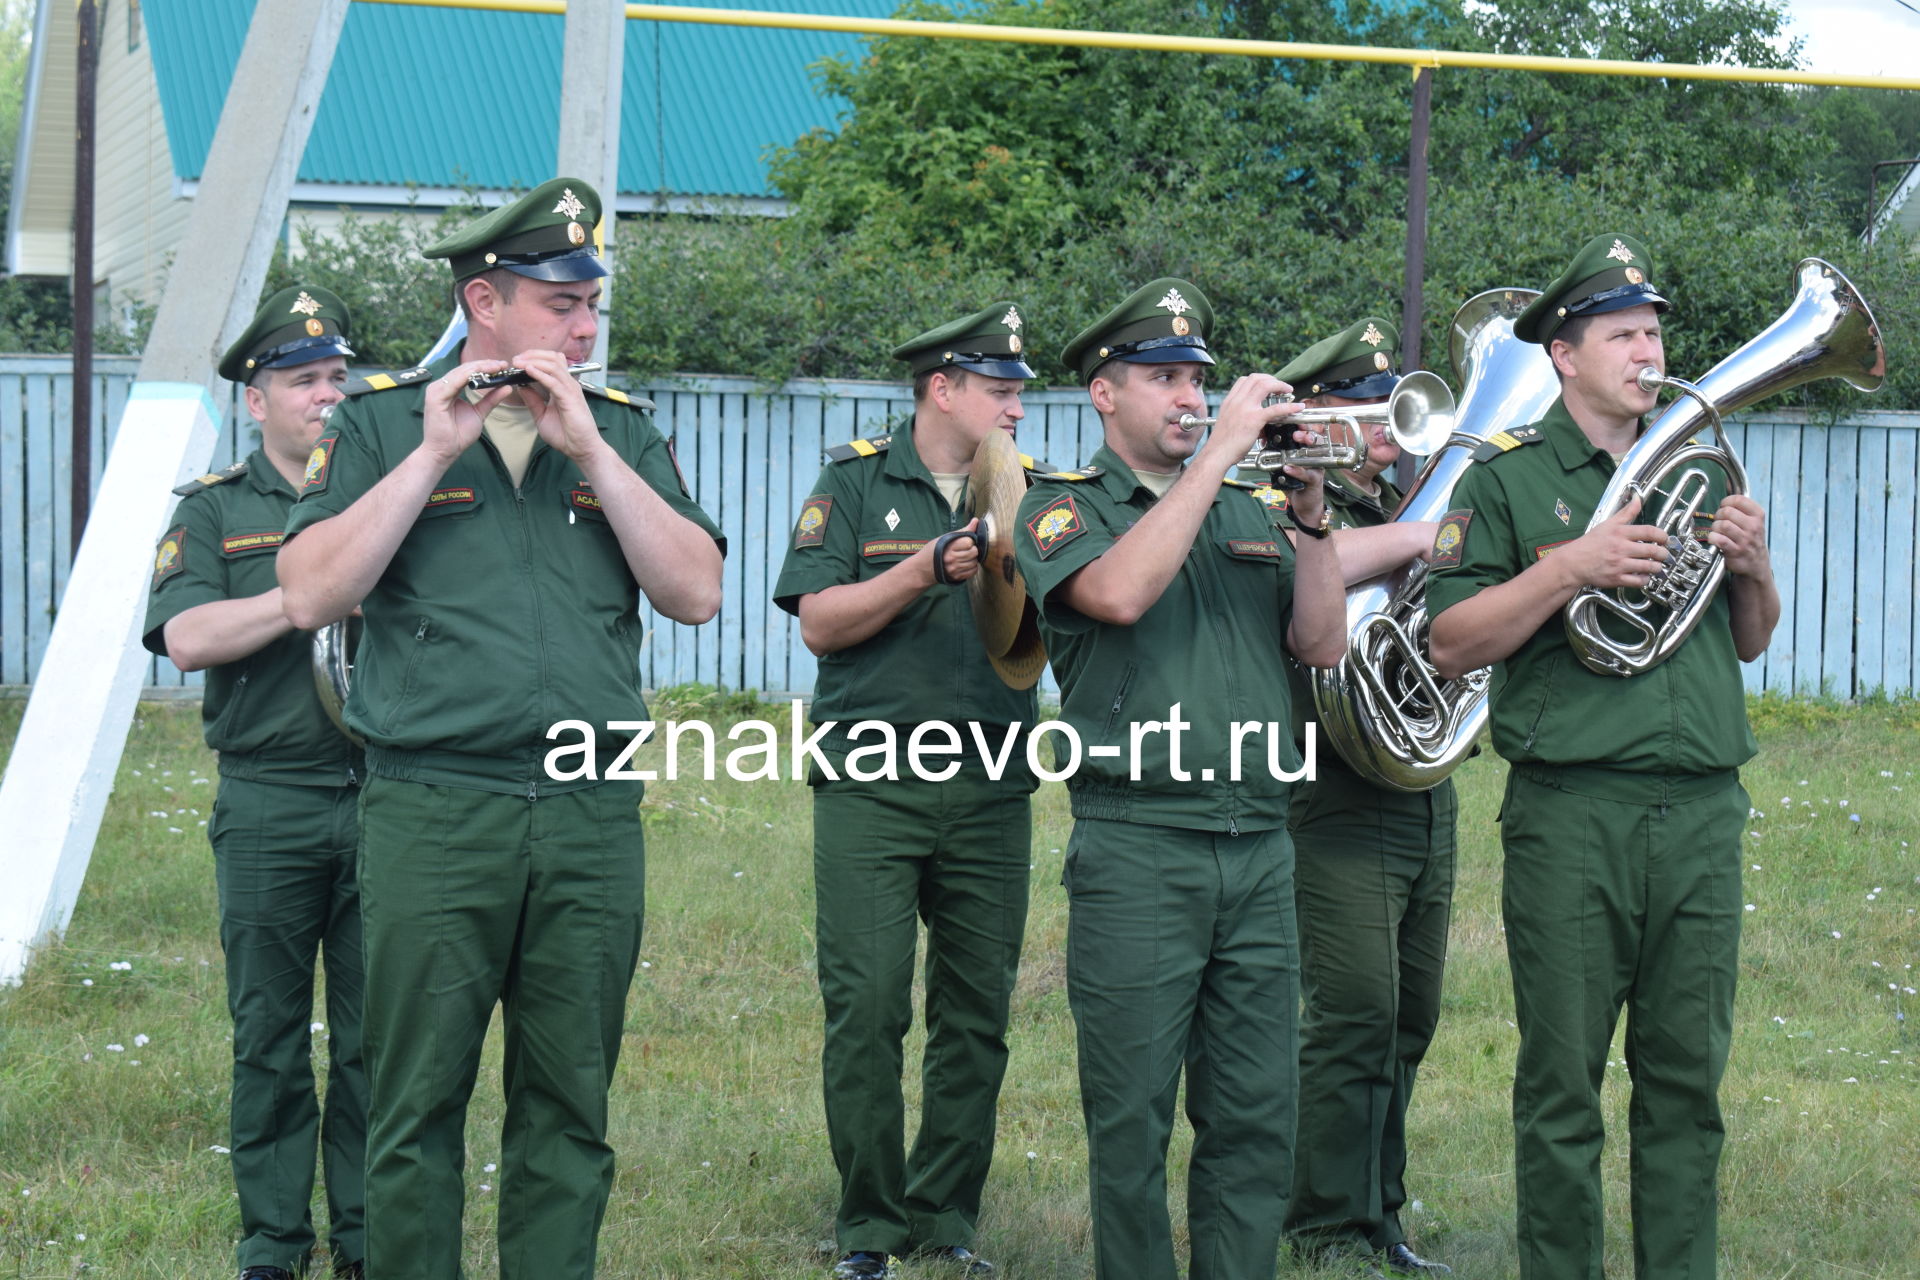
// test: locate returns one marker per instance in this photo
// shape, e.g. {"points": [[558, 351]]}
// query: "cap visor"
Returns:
{"points": [[581, 265], [1646, 297], [1168, 355], [1369, 387], [995, 368], [307, 353]]}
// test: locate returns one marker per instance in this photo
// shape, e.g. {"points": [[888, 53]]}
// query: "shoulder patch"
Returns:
{"points": [[1449, 542], [319, 464], [860, 448], [1274, 500], [171, 557], [641, 403], [383, 381], [1502, 441], [1084, 473], [1055, 525], [213, 478], [810, 530]]}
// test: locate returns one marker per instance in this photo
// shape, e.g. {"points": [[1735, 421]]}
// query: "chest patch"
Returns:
{"points": [[1451, 539], [1248, 547], [892, 547], [1561, 509], [1057, 524], [1546, 549], [319, 463], [893, 519], [583, 500], [440, 499], [171, 558], [810, 530], [241, 543]]}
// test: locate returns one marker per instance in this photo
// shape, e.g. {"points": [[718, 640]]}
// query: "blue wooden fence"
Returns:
{"points": [[1841, 504]]}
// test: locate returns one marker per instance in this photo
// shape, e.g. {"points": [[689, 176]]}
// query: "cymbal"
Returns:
{"points": [[1020, 666], [998, 591]]}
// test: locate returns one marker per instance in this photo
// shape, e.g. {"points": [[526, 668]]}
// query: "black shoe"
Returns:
{"points": [[959, 1257], [862, 1264], [1402, 1261], [265, 1273]]}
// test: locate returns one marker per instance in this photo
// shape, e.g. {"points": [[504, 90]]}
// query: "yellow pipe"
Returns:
{"points": [[1193, 44]]}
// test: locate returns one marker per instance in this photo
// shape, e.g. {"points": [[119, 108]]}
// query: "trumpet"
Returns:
{"points": [[1342, 448]]}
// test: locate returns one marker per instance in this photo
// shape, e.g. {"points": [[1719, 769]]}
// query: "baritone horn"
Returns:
{"points": [[1391, 717], [1826, 331]]}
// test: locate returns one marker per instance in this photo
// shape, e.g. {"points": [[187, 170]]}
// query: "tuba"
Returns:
{"points": [[333, 647], [1386, 711], [1825, 332]]}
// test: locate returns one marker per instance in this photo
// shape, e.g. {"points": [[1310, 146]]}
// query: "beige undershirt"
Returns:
{"points": [[1157, 482], [510, 427], [952, 484]]}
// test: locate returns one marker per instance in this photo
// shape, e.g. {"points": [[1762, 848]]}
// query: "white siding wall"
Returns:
{"points": [[137, 220]]}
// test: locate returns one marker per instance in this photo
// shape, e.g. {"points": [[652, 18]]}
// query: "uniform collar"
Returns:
{"points": [[903, 458], [1119, 480], [265, 477], [1569, 443]]}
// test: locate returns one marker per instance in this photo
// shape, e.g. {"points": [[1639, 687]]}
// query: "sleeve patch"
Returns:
{"points": [[171, 558], [1274, 500], [1450, 542], [241, 543], [319, 463], [811, 529], [1056, 524], [892, 547]]}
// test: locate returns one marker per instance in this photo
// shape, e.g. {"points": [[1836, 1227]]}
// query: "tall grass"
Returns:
{"points": [[114, 1053]]}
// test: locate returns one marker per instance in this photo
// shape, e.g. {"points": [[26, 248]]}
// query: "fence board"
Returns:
{"points": [[1844, 556]]}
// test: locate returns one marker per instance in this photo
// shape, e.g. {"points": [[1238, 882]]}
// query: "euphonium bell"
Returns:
{"points": [[1825, 332]]}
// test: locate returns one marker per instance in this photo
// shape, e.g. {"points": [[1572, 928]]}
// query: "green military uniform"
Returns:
{"points": [[506, 609], [954, 854], [1181, 948], [283, 836], [1621, 829], [1374, 892]]}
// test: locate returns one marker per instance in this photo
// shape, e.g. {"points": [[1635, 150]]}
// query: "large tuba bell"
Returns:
{"points": [[333, 647], [1826, 332], [1384, 708]]}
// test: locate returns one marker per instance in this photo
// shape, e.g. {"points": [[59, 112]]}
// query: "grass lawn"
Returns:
{"points": [[114, 1053]]}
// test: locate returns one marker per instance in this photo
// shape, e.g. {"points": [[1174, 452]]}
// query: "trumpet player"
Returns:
{"points": [[1373, 885], [1623, 811], [1162, 585], [284, 828]]}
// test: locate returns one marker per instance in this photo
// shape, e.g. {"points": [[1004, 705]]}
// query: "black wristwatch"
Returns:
{"points": [[1311, 530]]}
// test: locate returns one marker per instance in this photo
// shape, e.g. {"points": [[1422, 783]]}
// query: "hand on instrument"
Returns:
{"points": [[1241, 419], [962, 558], [558, 405], [1618, 553], [1740, 531], [1309, 499], [450, 424]]}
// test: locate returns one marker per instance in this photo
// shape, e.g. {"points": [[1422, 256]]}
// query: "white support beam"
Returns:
{"points": [[61, 769], [590, 74]]}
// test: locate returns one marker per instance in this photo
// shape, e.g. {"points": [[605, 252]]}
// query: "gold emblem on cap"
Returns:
{"points": [[492, 258], [315, 328], [305, 305], [1105, 352], [1635, 275], [1621, 252], [576, 234], [1380, 361], [1013, 343], [1012, 320], [1180, 326], [1175, 303], [569, 204], [1373, 337]]}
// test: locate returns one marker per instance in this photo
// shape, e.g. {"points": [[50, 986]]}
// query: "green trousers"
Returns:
{"points": [[887, 855], [283, 860], [1374, 890], [474, 898], [1630, 900], [1181, 952]]}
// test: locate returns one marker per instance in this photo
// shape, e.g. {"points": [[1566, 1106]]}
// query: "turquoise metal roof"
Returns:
{"points": [[449, 97]]}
